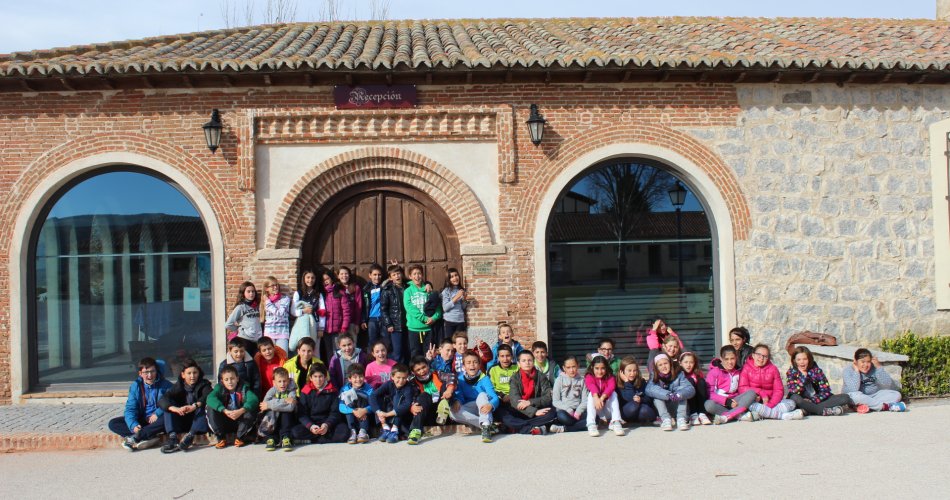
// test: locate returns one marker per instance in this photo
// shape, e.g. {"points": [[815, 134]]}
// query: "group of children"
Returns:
{"points": [[502, 388]]}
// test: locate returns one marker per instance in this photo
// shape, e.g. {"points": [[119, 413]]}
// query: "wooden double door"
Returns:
{"points": [[381, 223]]}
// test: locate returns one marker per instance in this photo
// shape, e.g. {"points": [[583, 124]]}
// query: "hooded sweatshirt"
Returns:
{"points": [[245, 320], [277, 400], [143, 398], [414, 302], [570, 393], [318, 406], [501, 378], [339, 363]]}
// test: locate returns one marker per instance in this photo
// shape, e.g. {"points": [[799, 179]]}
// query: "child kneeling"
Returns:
{"points": [[232, 408]]}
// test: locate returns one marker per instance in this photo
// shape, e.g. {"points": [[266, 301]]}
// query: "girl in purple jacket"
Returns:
{"points": [[338, 314], [722, 382]]}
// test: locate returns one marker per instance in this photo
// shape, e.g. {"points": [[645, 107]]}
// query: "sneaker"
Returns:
{"points": [[863, 408], [270, 445], [383, 436], [493, 428], [186, 442], [682, 424], [557, 429], [666, 424], [898, 406], [286, 444], [362, 437], [592, 431], [171, 445], [617, 427], [129, 443], [486, 433], [657, 422], [694, 419], [146, 444], [393, 437], [442, 412], [238, 442], [794, 415], [720, 419], [352, 439], [222, 443], [704, 420], [833, 411], [538, 431], [414, 436]]}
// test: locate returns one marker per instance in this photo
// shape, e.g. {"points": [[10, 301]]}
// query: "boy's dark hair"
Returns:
{"points": [[447, 341], [306, 341], [539, 344], [228, 369], [726, 349], [355, 369], [506, 347], [413, 267], [471, 354], [861, 353], [376, 267], [525, 352], [418, 360], [315, 368], [236, 342], [280, 371], [400, 368], [606, 340], [263, 341], [147, 362], [395, 268], [189, 363]]}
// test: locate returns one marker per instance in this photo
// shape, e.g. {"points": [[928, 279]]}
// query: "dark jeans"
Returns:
{"points": [[419, 343], [521, 423], [406, 421], [449, 328], [374, 329], [148, 431], [397, 342], [570, 423], [638, 413], [335, 434], [220, 424], [816, 408], [284, 422], [327, 347], [356, 424], [194, 423]]}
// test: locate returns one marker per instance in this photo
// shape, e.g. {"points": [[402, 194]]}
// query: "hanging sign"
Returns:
{"points": [[374, 96]]}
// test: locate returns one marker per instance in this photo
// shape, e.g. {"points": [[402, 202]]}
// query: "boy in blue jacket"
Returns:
{"points": [[475, 398], [393, 403], [355, 404], [142, 422]]}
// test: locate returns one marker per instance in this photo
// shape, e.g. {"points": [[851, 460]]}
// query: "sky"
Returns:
{"points": [[45, 24], [126, 197]]}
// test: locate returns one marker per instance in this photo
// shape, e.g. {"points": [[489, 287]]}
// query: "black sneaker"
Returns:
{"points": [[186, 442], [170, 446], [486, 434]]}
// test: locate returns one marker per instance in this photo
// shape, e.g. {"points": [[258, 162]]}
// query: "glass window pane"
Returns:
{"points": [[618, 252], [122, 266]]}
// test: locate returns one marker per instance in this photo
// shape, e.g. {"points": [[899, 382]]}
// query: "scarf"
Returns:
{"points": [[527, 384]]}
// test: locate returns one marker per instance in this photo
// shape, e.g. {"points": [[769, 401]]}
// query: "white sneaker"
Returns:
{"points": [[794, 415], [704, 420], [592, 431], [750, 417], [556, 429], [617, 427], [147, 443], [666, 425], [694, 419], [682, 424]]}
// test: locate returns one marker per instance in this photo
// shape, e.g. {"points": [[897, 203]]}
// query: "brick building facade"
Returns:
{"points": [[820, 174]]}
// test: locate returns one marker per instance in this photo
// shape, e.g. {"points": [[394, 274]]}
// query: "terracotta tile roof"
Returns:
{"points": [[676, 43], [595, 227]]}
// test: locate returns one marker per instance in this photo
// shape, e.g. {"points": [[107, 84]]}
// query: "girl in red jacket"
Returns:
{"points": [[763, 377]]}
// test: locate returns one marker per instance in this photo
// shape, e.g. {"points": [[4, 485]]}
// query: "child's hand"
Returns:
{"points": [[674, 397], [448, 393], [598, 404], [360, 413], [578, 414], [364, 326], [263, 406], [430, 354], [876, 362], [152, 418], [290, 400], [428, 288], [523, 404], [543, 411], [505, 399], [485, 409], [315, 429], [429, 321], [415, 409], [656, 325], [765, 401], [136, 429], [636, 399]]}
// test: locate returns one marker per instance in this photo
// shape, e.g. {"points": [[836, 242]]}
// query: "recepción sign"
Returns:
{"points": [[374, 96]]}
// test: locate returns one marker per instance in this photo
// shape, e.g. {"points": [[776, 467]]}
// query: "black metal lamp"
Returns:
{"points": [[677, 195], [536, 125], [678, 198], [213, 131]]}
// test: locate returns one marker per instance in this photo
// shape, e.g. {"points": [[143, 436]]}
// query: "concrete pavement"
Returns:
{"points": [[894, 455]]}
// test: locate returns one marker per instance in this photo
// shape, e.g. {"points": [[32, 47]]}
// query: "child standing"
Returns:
{"points": [[506, 337], [475, 398], [355, 295], [808, 387], [372, 291], [722, 384], [762, 377], [310, 309], [243, 364], [393, 403], [418, 322], [143, 420], [696, 405], [184, 407], [232, 408], [278, 409], [275, 309], [268, 358], [454, 304], [392, 315], [245, 319], [635, 405], [378, 371], [739, 338], [670, 390], [318, 410], [869, 386], [299, 366], [530, 410], [602, 400], [655, 338], [433, 393], [338, 314], [355, 404], [346, 355], [569, 397], [541, 362]]}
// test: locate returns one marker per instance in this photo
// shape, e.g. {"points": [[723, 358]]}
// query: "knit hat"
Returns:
{"points": [[659, 357]]}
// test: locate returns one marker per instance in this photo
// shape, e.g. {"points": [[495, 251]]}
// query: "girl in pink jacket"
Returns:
{"points": [[655, 338], [725, 401], [338, 314], [763, 377], [602, 401]]}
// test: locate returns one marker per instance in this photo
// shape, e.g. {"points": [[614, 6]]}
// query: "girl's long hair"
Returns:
{"points": [[268, 282], [240, 296], [674, 370], [602, 360], [303, 289], [448, 275], [337, 288], [697, 369], [638, 380]]}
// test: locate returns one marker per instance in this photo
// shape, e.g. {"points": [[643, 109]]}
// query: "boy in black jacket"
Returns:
{"points": [[392, 317], [318, 410], [184, 407], [244, 364], [393, 402]]}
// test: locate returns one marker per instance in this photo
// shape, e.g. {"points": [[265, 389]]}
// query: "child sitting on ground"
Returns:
{"points": [[143, 420], [670, 390], [278, 409], [268, 358], [475, 398], [635, 406], [393, 402], [808, 387], [299, 366], [501, 373], [318, 409], [656, 336], [244, 365], [346, 355], [506, 337], [695, 405], [762, 377], [602, 400], [569, 397], [378, 370], [722, 384], [434, 390], [232, 408], [530, 410], [184, 407], [869, 386], [548, 369], [355, 404]]}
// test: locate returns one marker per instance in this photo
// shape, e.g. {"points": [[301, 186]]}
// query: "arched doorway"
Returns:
{"points": [[119, 268], [380, 222], [614, 246]]}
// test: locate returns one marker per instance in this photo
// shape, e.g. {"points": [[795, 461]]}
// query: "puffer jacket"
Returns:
{"points": [[719, 382], [144, 397], [765, 381], [660, 389], [390, 307], [796, 382], [338, 310]]}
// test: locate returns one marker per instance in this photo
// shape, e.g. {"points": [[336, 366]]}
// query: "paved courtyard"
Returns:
{"points": [[871, 456]]}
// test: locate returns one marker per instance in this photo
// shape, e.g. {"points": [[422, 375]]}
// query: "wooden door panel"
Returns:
{"points": [[434, 241], [414, 240], [365, 230], [344, 244], [392, 229]]}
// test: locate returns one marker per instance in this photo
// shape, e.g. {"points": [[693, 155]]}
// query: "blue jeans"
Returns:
{"points": [[374, 328], [148, 431], [398, 341], [638, 413], [570, 423], [194, 423], [356, 424]]}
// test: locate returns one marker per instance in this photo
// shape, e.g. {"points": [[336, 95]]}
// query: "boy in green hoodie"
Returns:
{"points": [[501, 373], [232, 408], [418, 322]]}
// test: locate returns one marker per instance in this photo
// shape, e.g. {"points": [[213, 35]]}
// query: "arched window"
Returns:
{"points": [[121, 270], [620, 255]]}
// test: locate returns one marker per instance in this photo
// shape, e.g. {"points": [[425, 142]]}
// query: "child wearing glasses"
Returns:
{"points": [[763, 377]]}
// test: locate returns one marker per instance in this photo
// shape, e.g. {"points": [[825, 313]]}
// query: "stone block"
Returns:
{"points": [[813, 226], [828, 248]]}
